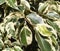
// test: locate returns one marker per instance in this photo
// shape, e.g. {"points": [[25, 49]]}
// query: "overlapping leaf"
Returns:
{"points": [[54, 25], [15, 48], [53, 15], [43, 44], [43, 30], [53, 40], [9, 27]]}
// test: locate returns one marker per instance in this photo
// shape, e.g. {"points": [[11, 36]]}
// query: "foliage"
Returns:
{"points": [[29, 25]]}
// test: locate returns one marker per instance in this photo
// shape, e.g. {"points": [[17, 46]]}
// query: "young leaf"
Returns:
{"points": [[43, 30]]}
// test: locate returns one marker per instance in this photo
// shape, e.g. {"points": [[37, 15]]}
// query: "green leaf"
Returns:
{"points": [[21, 8], [35, 18], [8, 49], [2, 28], [26, 4], [23, 36], [12, 33], [1, 44], [10, 29], [42, 7], [54, 25], [11, 3], [2, 1], [53, 15], [27, 32], [53, 39], [43, 44], [17, 48], [0, 35], [43, 30]]}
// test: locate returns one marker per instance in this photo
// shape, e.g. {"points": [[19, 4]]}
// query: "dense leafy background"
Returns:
{"points": [[29, 25]]}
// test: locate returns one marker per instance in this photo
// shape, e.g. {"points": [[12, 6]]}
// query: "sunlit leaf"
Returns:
{"points": [[43, 30], [43, 44]]}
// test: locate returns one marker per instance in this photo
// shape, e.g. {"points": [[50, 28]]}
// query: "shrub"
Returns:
{"points": [[29, 25]]}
